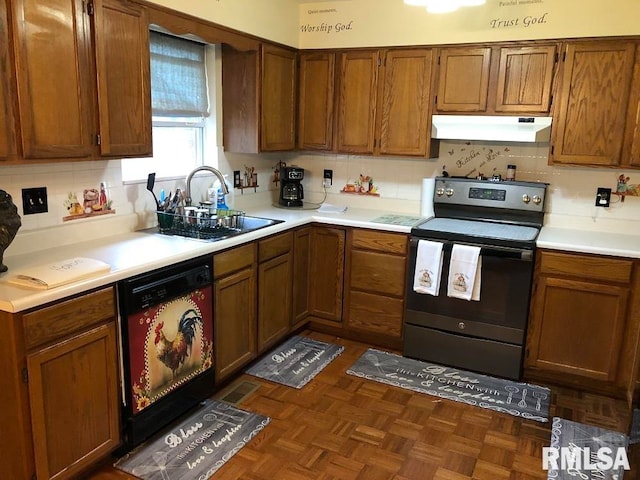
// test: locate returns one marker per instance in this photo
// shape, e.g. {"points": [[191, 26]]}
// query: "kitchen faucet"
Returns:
{"points": [[215, 171]]}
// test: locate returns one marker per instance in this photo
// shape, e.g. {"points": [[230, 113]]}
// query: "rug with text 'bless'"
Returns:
{"points": [[196, 447], [296, 361], [515, 398]]}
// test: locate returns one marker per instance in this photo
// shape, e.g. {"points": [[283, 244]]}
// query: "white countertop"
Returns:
{"points": [[590, 241], [133, 253]]}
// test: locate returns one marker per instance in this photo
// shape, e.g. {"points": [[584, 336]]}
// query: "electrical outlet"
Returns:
{"points": [[34, 200], [603, 197], [327, 179]]}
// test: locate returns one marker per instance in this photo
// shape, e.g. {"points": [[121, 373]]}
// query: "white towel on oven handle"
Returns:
{"points": [[465, 272], [426, 277]]}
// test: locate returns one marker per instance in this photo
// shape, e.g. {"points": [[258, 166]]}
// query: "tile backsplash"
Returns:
{"points": [[572, 190]]}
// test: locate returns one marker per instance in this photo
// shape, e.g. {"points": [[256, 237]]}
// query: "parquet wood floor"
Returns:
{"points": [[343, 427]]}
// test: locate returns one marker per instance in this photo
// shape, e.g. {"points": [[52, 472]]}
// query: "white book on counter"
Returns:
{"points": [[59, 273]]}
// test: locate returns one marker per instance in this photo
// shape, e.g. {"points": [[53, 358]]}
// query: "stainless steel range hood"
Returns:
{"points": [[494, 128]]}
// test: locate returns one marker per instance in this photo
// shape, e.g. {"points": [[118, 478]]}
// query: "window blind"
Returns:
{"points": [[178, 77]]}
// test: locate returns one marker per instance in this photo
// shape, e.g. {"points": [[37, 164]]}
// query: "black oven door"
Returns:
{"points": [[502, 311]]}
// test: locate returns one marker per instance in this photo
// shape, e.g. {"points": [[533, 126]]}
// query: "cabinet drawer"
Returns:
{"points": [[64, 318], [377, 272], [275, 246], [233, 260], [379, 241], [586, 266], [375, 313]]}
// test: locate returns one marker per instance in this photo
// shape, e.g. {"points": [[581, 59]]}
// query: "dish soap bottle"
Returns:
{"points": [[218, 198]]}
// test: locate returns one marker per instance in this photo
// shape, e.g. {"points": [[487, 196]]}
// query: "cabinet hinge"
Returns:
{"points": [[90, 8], [98, 139], [564, 56], [25, 375], [438, 59]]}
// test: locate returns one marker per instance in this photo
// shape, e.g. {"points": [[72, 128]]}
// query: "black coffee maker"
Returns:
{"points": [[291, 192]]}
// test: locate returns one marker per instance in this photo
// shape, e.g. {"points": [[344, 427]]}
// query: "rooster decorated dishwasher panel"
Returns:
{"points": [[169, 344]]}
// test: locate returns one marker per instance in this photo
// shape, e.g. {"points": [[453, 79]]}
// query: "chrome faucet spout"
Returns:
{"points": [[207, 168]]}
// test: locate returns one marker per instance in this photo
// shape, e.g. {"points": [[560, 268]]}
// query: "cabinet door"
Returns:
{"points": [[326, 273], [577, 327], [278, 86], [463, 79], [55, 91], [74, 398], [234, 322], [524, 79], [357, 101], [7, 118], [240, 100], [404, 103], [315, 119], [590, 113], [274, 300], [301, 276], [124, 89], [631, 146]]}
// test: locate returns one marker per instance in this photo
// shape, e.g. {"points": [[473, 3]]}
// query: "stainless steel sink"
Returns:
{"points": [[212, 232], [249, 224]]}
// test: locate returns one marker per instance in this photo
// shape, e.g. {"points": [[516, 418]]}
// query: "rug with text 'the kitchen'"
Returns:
{"points": [[515, 398]]}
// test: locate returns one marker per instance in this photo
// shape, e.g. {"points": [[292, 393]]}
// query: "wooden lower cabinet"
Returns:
{"points": [[326, 269], [74, 399], [60, 388], [583, 329], [375, 283], [274, 289], [234, 309], [301, 276]]}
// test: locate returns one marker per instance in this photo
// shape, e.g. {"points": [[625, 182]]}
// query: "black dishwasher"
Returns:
{"points": [[166, 328]]}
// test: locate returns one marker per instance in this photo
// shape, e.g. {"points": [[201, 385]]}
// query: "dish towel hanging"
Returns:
{"points": [[428, 267], [465, 272]]}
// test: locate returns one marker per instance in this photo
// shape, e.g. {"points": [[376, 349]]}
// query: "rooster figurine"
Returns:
{"points": [[9, 224], [174, 352]]}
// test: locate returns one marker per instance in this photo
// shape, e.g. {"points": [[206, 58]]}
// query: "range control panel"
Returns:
{"points": [[526, 196]]}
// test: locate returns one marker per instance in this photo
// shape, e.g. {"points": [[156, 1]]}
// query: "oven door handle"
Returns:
{"points": [[523, 254]]}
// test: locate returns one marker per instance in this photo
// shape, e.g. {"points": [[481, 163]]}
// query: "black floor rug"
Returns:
{"points": [[634, 435], [518, 399], [196, 447], [572, 436], [296, 361]]}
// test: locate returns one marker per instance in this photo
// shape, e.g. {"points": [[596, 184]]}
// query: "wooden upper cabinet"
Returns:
{"points": [[259, 99], [316, 86], [463, 80], [403, 117], [357, 101], [62, 106], [124, 89], [279, 87], [592, 104], [524, 79], [51, 41], [631, 144], [7, 117]]}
